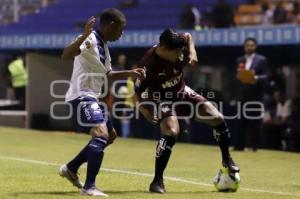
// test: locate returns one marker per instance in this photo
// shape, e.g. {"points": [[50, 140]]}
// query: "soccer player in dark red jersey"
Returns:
{"points": [[163, 97]]}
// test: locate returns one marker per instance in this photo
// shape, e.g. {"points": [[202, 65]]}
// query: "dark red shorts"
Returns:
{"points": [[185, 104]]}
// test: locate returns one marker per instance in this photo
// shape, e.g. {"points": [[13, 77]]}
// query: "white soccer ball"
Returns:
{"points": [[225, 181]]}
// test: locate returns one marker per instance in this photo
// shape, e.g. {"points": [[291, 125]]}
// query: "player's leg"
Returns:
{"points": [[170, 130], [94, 155], [112, 134], [90, 118], [70, 170], [209, 115]]}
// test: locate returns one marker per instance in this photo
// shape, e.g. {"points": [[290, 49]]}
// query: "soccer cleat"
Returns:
{"points": [[157, 186], [232, 167], [92, 192], [72, 177]]}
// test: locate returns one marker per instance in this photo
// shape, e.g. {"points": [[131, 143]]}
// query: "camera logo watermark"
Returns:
{"points": [[159, 103]]}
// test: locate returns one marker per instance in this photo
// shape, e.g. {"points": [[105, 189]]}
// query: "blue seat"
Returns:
{"points": [[63, 15]]}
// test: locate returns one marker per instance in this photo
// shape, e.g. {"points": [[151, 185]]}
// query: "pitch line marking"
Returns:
{"points": [[175, 179]]}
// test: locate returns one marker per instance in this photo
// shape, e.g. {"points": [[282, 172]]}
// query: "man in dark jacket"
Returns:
{"points": [[251, 81]]}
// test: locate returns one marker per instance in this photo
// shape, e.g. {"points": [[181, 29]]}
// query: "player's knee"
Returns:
{"points": [[170, 130], [217, 120], [99, 131]]}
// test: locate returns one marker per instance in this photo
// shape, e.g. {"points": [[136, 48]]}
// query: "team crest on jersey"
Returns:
{"points": [[87, 44]]}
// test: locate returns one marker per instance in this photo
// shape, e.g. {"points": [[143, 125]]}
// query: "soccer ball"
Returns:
{"points": [[225, 181]]}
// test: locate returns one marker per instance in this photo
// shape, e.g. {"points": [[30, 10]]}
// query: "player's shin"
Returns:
{"points": [[94, 158], [78, 160], [222, 136], [163, 152]]}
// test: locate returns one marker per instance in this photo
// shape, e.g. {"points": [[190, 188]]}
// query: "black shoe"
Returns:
{"points": [[229, 163], [157, 186]]}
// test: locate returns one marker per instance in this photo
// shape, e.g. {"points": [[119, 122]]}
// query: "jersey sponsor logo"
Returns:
{"points": [[173, 82]]}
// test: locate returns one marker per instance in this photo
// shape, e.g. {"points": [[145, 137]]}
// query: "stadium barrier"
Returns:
{"points": [[273, 35]]}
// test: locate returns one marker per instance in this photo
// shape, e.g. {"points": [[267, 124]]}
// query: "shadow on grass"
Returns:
{"points": [[116, 192], [109, 192], [50, 193]]}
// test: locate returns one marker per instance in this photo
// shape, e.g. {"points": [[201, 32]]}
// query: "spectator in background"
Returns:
{"points": [[267, 14], [19, 77], [296, 13], [128, 3], [190, 17], [291, 134], [280, 14], [222, 15], [123, 90], [121, 63], [274, 121], [251, 81]]}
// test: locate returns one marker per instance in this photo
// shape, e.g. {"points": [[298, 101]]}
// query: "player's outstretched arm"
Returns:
{"points": [[73, 49], [193, 59], [135, 73], [145, 112]]}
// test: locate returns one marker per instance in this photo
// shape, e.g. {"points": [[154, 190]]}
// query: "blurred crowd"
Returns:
{"points": [[224, 15]]}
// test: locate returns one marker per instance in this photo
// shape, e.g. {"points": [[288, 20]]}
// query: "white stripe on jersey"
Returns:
{"points": [[89, 73]]}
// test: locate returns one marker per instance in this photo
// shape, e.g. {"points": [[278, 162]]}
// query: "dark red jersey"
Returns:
{"points": [[161, 75]]}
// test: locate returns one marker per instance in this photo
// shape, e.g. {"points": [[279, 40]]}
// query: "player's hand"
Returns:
{"points": [[193, 59], [89, 26], [138, 73]]}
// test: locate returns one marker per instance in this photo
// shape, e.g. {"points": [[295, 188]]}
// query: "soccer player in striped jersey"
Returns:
{"points": [[92, 68]]}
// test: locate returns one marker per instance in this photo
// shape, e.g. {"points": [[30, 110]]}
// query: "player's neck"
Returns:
{"points": [[102, 35], [162, 55]]}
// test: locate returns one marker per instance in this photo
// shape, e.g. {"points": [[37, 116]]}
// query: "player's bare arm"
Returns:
{"points": [[193, 59], [134, 73], [145, 112], [74, 48]]}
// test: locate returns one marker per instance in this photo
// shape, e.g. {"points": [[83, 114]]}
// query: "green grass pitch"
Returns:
{"points": [[29, 161]]}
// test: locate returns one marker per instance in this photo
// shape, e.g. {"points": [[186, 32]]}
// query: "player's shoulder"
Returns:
{"points": [[88, 42], [149, 56], [92, 37], [150, 52]]}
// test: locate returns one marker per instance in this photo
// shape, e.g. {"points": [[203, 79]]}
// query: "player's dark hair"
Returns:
{"points": [[250, 39], [171, 39], [111, 14]]}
